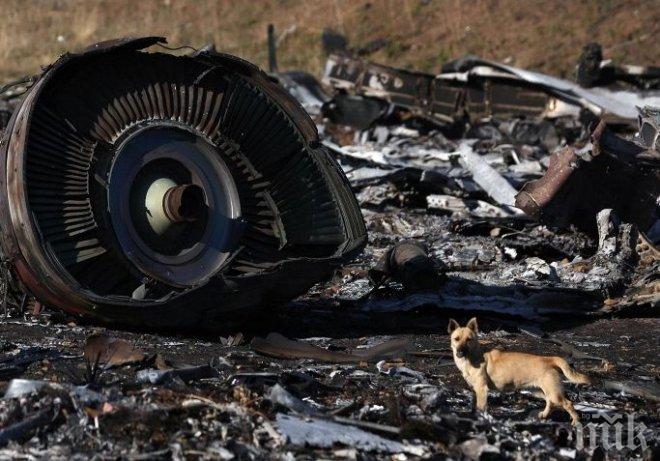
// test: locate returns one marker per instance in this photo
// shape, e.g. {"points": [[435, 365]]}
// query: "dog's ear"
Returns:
{"points": [[472, 324], [453, 324]]}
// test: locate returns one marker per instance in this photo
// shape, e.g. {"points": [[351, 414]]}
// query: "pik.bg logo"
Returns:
{"points": [[613, 431]]}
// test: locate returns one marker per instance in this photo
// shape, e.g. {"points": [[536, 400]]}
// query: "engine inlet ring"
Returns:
{"points": [[184, 253]]}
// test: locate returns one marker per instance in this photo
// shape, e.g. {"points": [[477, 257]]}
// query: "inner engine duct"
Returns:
{"points": [[148, 189]]}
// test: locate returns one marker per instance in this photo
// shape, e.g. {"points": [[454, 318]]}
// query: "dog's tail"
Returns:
{"points": [[570, 373]]}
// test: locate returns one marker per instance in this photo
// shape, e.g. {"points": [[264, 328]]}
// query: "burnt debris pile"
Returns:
{"points": [[502, 174]]}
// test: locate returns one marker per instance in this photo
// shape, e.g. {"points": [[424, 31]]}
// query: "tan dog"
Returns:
{"points": [[499, 370]]}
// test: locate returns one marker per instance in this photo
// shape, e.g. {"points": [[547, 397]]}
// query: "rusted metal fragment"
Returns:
{"points": [[88, 224], [408, 263], [536, 196], [616, 174]]}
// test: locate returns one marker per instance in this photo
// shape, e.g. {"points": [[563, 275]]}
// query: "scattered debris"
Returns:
{"points": [[184, 374], [23, 430], [325, 434], [276, 345], [111, 352], [265, 406]]}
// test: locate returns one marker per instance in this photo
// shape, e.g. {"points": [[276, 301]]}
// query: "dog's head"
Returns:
{"points": [[463, 339]]}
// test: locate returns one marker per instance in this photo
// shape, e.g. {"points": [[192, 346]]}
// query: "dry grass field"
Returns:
{"points": [[540, 34]]}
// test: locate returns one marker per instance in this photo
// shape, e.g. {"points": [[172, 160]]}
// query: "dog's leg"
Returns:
{"points": [[546, 411], [481, 392], [554, 391], [568, 406], [544, 393]]}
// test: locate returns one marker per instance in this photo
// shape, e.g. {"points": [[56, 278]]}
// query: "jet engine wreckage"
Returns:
{"points": [[150, 189]]}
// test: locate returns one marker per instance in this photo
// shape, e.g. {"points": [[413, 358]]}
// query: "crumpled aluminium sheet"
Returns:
{"points": [[602, 101]]}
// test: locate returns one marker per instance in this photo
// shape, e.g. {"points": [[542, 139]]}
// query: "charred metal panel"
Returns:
{"points": [[447, 100], [146, 188], [343, 72], [509, 100], [444, 99], [401, 88], [411, 90], [479, 88]]}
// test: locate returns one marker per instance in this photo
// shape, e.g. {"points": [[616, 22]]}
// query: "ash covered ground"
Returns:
{"points": [[419, 406], [586, 290]]}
